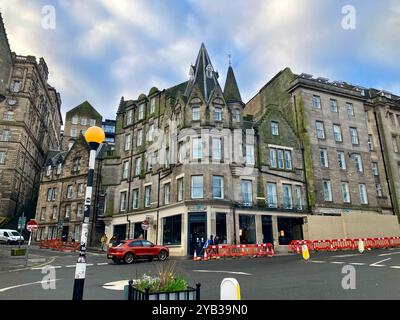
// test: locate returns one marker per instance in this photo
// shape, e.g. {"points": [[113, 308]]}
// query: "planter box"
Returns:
{"points": [[189, 294], [17, 252]]}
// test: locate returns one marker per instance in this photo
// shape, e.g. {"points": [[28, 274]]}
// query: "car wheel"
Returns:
{"points": [[129, 258], [162, 255], [116, 260]]}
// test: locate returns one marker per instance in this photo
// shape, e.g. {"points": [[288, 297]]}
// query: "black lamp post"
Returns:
{"points": [[94, 137]]}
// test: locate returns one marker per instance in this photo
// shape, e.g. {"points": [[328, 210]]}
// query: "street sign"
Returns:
{"points": [[145, 225], [21, 223], [32, 226]]}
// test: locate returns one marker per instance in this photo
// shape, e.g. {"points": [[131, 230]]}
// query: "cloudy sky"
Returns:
{"points": [[101, 50]]}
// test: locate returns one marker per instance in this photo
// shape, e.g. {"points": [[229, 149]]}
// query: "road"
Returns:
{"points": [[279, 277]]}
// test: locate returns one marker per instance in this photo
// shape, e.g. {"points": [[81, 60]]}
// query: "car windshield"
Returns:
{"points": [[15, 233], [119, 243]]}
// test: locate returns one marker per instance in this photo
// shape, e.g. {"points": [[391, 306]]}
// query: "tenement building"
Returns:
{"points": [[63, 181], [188, 163], [30, 123], [350, 190]]}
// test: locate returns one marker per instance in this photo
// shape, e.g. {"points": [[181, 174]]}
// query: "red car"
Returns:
{"points": [[130, 250]]}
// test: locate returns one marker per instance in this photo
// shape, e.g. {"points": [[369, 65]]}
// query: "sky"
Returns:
{"points": [[101, 50]]}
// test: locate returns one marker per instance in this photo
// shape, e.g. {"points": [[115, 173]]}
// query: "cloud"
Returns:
{"points": [[103, 49]]}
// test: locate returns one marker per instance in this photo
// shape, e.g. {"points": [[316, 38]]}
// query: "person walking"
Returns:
{"points": [[104, 241]]}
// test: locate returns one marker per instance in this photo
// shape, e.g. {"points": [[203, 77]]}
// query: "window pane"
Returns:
{"points": [[287, 196], [272, 198], [247, 192], [172, 230], [197, 187], [218, 187]]}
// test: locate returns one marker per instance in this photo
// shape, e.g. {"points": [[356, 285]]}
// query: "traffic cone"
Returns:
{"points": [[205, 255], [195, 256]]}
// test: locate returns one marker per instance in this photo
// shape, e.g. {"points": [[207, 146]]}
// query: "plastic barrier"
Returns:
{"points": [[241, 250], [344, 244], [58, 245]]}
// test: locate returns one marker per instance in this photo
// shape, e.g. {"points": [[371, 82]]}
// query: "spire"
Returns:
{"points": [[203, 74], [231, 90]]}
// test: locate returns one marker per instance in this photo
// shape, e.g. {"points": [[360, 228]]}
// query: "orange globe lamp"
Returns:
{"points": [[95, 136]]}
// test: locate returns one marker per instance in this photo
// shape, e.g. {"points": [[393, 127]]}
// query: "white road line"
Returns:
{"points": [[27, 284], [338, 262], [71, 266], [388, 254], [347, 255], [357, 263], [103, 264], [230, 272], [317, 261], [377, 264], [89, 265], [395, 267], [49, 267]]}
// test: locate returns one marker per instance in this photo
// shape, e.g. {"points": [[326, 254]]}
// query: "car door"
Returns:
{"points": [[136, 247], [148, 248]]}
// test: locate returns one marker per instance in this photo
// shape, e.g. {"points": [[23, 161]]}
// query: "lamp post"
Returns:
{"points": [[94, 137]]}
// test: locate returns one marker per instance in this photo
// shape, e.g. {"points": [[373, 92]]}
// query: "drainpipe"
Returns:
{"points": [[234, 224], [384, 162], [302, 156]]}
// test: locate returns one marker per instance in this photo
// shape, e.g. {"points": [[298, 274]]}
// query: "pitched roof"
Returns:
{"points": [[85, 108], [231, 90], [203, 75]]}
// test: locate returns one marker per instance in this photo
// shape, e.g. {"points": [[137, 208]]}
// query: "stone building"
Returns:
{"points": [[77, 121], [61, 200], [188, 162], [346, 180], [30, 123]]}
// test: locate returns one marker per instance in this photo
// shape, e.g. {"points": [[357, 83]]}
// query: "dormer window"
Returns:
{"points": [[141, 112], [236, 115], [59, 168], [275, 128], [209, 71], [152, 105], [129, 118], [218, 114], [48, 170], [196, 113]]}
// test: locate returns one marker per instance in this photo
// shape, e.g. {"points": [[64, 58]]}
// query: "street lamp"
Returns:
{"points": [[94, 137]]}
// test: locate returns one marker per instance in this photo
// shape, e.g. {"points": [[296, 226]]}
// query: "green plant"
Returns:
{"points": [[165, 279]]}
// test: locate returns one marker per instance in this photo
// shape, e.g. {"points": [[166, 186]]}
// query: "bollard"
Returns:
{"points": [[230, 289]]}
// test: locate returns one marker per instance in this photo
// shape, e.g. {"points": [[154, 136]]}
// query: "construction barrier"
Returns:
{"points": [[344, 244], [240, 250], [58, 245]]}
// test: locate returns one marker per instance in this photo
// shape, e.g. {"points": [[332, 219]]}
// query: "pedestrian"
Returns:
{"points": [[104, 241], [113, 240]]}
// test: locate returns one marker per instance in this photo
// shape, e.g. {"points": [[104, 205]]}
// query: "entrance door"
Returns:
{"points": [[120, 231], [267, 229], [197, 230], [138, 232], [290, 229], [65, 232]]}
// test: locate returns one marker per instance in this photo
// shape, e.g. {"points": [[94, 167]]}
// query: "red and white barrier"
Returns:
{"points": [[240, 250], [344, 244]]}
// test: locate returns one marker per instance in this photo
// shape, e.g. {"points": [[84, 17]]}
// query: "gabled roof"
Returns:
{"points": [[231, 90], [203, 75], [85, 108]]}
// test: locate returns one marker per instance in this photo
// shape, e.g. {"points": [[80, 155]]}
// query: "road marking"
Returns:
{"points": [[377, 264], [338, 262], [395, 267], [347, 255], [103, 264], [217, 271], [388, 254], [317, 261], [28, 284], [89, 265], [40, 265], [357, 264], [50, 267], [71, 266], [116, 285]]}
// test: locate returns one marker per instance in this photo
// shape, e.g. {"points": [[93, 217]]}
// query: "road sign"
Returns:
{"points": [[145, 225], [32, 226], [21, 223]]}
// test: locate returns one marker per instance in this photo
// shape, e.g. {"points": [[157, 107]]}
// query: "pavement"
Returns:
{"points": [[377, 276]]}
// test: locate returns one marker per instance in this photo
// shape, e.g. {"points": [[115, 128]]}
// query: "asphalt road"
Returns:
{"points": [[280, 277]]}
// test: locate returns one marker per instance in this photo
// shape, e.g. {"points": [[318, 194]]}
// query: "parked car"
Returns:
{"points": [[130, 250], [10, 236]]}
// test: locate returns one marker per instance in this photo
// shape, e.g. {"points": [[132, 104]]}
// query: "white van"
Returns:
{"points": [[10, 236]]}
